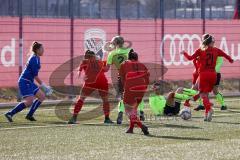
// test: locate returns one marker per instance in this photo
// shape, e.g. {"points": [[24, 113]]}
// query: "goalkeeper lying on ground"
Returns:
{"points": [[170, 106]]}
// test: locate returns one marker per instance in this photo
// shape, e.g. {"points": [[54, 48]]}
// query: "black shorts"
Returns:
{"points": [[172, 110], [218, 79]]}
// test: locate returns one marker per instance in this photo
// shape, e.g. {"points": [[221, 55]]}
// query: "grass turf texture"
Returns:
{"points": [[171, 138]]}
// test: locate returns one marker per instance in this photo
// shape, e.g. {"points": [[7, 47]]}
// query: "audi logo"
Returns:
{"points": [[177, 43]]}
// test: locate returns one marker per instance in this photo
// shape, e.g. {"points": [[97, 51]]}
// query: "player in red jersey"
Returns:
{"points": [[207, 55], [95, 79], [134, 77]]}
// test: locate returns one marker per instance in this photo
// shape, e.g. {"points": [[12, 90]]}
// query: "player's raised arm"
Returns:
{"points": [[190, 57], [108, 47], [109, 62], [223, 54]]}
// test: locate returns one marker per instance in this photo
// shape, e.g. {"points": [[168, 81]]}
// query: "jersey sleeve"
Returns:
{"points": [[110, 58], [192, 57], [219, 64], [223, 54]]}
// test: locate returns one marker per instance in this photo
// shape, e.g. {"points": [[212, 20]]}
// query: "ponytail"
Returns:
{"points": [[206, 40], [34, 47], [89, 54]]}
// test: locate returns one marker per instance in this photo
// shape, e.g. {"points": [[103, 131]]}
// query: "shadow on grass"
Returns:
{"points": [[161, 124], [173, 126], [233, 111], [236, 123], [55, 122], [181, 138], [103, 124]]}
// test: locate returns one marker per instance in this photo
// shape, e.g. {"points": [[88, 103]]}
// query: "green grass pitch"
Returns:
{"points": [[171, 138]]}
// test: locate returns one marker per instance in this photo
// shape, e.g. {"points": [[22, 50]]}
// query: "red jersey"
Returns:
{"points": [[134, 74], [196, 64], [208, 58], [94, 69]]}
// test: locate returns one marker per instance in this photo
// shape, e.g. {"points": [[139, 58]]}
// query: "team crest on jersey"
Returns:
{"points": [[94, 38]]}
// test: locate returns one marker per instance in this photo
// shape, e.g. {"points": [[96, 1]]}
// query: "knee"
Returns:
{"points": [[179, 90], [215, 91], [28, 102], [42, 97], [171, 95]]}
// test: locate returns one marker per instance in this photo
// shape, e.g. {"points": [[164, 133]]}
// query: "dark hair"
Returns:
{"points": [[132, 56], [89, 54], [131, 51], [35, 46]]}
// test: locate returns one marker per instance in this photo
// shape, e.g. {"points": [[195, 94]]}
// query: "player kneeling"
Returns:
{"points": [[134, 77], [95, 79]]}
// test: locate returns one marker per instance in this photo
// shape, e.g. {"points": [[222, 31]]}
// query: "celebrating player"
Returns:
{"points": [[134, 77], [28, 89], [116, 57], [95, 79], [207, 55]]}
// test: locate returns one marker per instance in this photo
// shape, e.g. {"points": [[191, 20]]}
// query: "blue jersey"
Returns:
{"points": [[31, 69]]}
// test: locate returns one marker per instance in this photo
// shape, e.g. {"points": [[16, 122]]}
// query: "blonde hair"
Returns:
{"points": [[206, 40]]}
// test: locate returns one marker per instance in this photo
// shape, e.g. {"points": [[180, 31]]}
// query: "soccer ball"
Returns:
{"points": [[185, 113]]}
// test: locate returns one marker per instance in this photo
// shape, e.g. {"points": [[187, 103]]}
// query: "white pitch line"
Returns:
{"points": [[31, 127]]}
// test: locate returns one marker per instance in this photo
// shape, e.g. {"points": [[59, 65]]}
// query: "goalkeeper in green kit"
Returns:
{"points": [[117, 55], [169, 106]]}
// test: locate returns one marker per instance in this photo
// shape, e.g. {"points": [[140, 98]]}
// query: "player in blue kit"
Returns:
{"points": [[28, 89]]}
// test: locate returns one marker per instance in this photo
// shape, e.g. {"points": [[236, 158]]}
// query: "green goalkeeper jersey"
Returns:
{"points": [[157, 104], [219, 64], [118, 56]]}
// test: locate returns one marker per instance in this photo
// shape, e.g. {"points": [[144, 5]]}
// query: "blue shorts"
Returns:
{"points": [[27, 88]]}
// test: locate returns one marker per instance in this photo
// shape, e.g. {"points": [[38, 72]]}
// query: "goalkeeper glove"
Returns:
{"points": [[46, 89]]}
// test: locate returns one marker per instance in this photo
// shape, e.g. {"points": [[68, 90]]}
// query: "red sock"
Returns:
{"points": [[186, 103], [139, 123], [78, 107], [206, 104], [106, 109], [131, 125], [135, 120], [196, 97]]}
